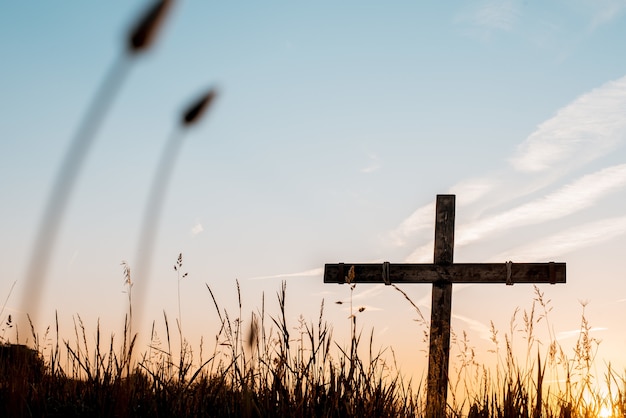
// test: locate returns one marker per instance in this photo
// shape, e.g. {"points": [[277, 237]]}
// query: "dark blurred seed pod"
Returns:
{"points": [[142, 35], [195, 111]]}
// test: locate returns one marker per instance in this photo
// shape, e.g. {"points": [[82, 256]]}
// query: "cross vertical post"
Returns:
{"points": [[442, 274], [441, 310]]}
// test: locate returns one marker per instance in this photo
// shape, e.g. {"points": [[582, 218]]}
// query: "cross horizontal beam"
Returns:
{"points": [[388, 273]]}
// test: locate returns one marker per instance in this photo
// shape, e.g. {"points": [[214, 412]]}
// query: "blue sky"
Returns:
{"points": [[335, 127]]}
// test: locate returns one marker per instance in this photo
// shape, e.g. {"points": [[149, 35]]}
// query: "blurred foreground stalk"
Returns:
{"points": [[140, 38]]}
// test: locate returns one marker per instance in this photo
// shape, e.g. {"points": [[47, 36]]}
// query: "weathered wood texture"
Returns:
{"points": [[442, 274], [454, 273], [441, 308]]}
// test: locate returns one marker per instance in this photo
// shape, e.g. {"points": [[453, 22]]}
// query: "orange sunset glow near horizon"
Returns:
{"points": [[322, 133]]}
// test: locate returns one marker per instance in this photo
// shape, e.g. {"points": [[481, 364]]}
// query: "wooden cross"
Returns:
{"points": [[442, 273]]}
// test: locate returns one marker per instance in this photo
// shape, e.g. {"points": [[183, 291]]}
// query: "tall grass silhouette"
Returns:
{"points": [[260, 364], [140, 38], [257, 365], [157, 192]]}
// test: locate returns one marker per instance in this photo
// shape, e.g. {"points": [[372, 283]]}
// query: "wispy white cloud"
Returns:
{"points": [[362, 293], [306, 273], [492, 15], [9, 309], [420, 219], [606, 11], [426, 300], [325, 293], [73, 258], [422, 254], [497, 14], [369, 292], [473, 190], [584, 130], [563, 335], [572, 239], [571, 198], [374, 164], [197, 228], [483, 330], [588, 128], [383, 331]]}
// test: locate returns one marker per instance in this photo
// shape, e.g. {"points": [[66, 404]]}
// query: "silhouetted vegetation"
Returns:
{"points": [[264, 371]]}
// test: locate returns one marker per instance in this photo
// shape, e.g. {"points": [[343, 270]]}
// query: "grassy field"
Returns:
{"points": [[263, 370]]}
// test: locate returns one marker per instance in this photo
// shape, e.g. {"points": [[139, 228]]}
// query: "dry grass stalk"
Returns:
{"points": [[269, 371]]}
